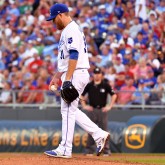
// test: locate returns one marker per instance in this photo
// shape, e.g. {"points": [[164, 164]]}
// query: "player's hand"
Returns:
{"points": [[88, 108], [55, 81], [106, 109]]}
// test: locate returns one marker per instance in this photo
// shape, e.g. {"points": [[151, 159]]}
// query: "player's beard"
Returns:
{"points": [[60, 25]]}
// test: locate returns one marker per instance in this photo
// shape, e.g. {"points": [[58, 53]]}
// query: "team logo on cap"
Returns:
{"points": [[97, 69], [70, 40]]}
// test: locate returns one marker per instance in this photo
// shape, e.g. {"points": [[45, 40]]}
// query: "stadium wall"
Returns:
{"points": [[34, 130]]}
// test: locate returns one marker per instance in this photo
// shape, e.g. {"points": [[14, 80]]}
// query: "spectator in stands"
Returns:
{"points": [[2, 78], [119, 80], [103, 19], [119, 9], [126, 92], [54, 56], [150, 80], [110, 74], [39, 45], [133, 67], [140, 9], [119, 67], [41, 89], [43, 72], [151, 6], [142, 69], [145, 29], [26, 94], [110, 4], [48, 65], [153, 62], [14, 61], [113, 27], [142, 93], [128, 70], [6, 94], [157, 95], [152, 18], [27, 56], [105, 57], [135, 28], [16, 86], [35, 64], [128, 41], [141, 53], [91, 45], [139, 40], [161, 58], [14, 39], [161, 7], [128, 56]]}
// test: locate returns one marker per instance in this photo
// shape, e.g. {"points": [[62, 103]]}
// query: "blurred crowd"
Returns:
{"points": [[126, 38]]}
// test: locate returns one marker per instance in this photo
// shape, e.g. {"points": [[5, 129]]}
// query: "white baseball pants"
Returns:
{"points": [[71, 114]]}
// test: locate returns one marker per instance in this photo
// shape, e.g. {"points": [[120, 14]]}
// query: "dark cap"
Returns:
{"points": [[97, 70], [57, 9]]}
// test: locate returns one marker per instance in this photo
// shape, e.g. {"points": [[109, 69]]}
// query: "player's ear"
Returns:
{"points": [[54, 20]]}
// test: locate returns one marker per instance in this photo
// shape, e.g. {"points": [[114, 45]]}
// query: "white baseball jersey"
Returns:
{"points": [[72, 38]]}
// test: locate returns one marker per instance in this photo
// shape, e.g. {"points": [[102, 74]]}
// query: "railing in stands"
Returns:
{"points": [[50, 100]]}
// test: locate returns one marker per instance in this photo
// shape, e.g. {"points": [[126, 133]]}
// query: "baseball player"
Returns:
{"points": [[73, 68]]}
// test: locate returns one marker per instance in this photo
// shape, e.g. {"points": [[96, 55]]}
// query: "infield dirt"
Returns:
{"points": [[78, 159]]}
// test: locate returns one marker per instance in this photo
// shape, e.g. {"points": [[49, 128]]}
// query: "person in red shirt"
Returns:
{"points": [[26, 95], [126, 92], [40, 90], [36, 64]]}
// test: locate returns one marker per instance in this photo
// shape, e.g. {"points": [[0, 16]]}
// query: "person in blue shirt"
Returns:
{"points": [[140, 39], [118, 10], [103, 19], [151, 80], [141, 94]]}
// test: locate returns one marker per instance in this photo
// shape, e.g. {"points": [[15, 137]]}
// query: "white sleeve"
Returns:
{"points": [[73, 40]]}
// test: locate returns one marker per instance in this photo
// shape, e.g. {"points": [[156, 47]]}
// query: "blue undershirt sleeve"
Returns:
{"points": [[73, 54]]}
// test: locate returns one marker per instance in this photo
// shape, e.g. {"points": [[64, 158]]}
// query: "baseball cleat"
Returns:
{"points": [[56, 154], [101, 144]]}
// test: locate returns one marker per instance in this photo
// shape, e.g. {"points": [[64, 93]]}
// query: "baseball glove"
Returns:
{"points": [[68, 92]]}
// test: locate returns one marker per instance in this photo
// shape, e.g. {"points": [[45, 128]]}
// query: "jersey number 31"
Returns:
{"points": [[62, 55], [85, 44]]}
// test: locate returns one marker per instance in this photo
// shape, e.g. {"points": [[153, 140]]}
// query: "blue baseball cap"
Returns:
{"points": [[57, 9]]}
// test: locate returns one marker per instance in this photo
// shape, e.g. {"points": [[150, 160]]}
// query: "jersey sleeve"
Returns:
{"points": [[73, 39], [110, 90]]}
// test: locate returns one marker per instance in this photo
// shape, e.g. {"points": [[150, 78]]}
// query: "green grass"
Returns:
{"points": [[151, 159]]}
